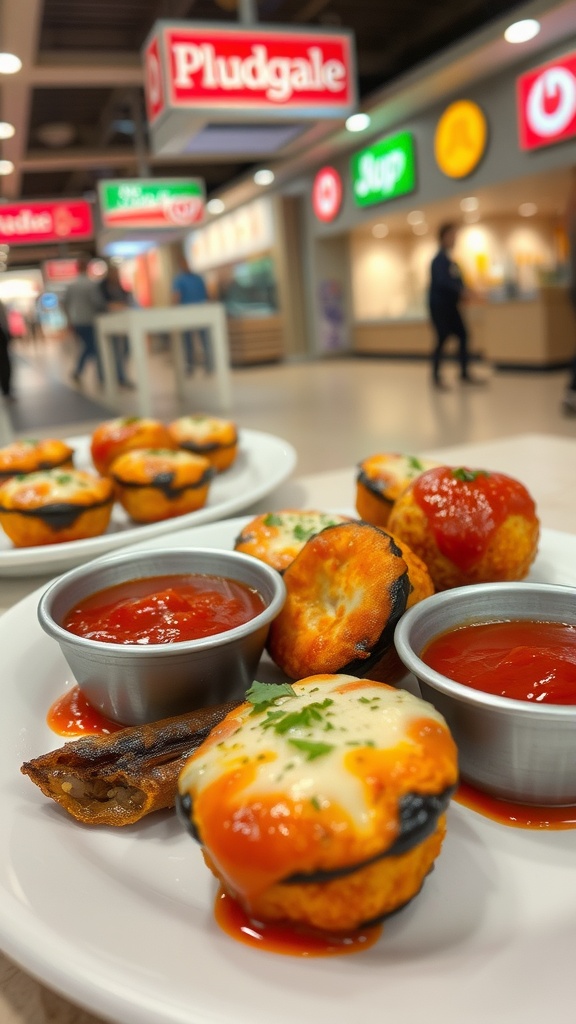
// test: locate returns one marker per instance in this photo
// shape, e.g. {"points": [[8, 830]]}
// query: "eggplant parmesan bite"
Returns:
{"points": [[323, 803], [214, 438], [345, 591], [153, 484], [277, 537], [55, 506], [123, 434], [380, 481], [30, 455]]}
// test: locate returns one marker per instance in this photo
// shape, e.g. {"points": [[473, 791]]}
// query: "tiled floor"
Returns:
{"points": [[334, 411]]}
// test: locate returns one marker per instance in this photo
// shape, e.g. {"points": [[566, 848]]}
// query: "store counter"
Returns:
{"points": [[533, 333], [137, 324]]}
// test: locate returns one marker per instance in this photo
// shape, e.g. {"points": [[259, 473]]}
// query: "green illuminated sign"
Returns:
{"points": [[385, 170], [152, 202]]}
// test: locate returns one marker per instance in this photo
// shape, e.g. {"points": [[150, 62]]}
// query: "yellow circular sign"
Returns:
{"points": [[460, 139]]}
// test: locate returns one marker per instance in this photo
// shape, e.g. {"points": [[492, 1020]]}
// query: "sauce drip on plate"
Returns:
{"points": [[72, 715], [523, 660], [281, 938], [518, 815]]}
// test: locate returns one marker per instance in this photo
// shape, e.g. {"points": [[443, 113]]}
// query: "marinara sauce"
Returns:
{"points": [[164, 609], [525, 660]]}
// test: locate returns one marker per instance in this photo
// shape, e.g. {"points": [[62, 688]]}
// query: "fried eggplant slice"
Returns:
{"points": [[345, 592], [118, 779]]}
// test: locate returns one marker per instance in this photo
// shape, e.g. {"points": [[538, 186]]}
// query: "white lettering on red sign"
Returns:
{"points": [[222, 68], [49, 221], [547, 104]]}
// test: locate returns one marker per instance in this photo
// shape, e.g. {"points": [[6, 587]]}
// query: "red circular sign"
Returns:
{"points": [[327, 194]]}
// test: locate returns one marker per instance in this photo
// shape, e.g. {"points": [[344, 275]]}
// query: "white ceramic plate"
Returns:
{"points": [[121, 920], [264, 461]]}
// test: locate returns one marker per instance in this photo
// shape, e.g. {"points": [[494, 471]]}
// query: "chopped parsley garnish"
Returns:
{"points": [[305, 718], [272, 520], [261, 695], [311, 749], [63, 478], [315, 803], [468, 475], [415, 463], [302, 533]]}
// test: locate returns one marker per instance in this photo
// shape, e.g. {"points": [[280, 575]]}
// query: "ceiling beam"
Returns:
{"points": [[63, 70]]}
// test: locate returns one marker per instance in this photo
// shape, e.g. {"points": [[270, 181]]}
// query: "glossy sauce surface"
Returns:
{"points": [[281, 938], [524, 660], [72, 715], [465, 508], [507, 812], [164, 609]]}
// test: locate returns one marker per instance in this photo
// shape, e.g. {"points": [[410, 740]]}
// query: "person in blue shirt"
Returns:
{"points": [[447, 291], [188, 288]]}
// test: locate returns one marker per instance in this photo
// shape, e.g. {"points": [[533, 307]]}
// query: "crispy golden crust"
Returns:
{"points": [[421, 582], [380, 481], [156, 484], [118, 779], [55, 506], [214, 438], [507, 556], [30, 455], [114, 437], [345, 592], [277, 537]]}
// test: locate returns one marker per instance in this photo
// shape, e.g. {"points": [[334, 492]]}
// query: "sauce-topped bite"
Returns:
{"points": [[523, 659], [164, 609]]}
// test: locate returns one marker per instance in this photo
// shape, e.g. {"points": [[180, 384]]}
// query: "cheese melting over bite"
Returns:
{"points": [[298, 744], [53, 485]]}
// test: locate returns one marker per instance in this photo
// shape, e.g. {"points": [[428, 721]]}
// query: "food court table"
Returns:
{"points": [[172, 321], [545, 464]]}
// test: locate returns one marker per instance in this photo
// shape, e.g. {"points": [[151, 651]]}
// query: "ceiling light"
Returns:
{"points": [[415, 217], [9, 64], [7, 130], [357, 122], [56, 133], [264, 177], [420, 229], [215, 206], [6, 167], [469, 204], [527, 209], [522, 31], [380, 230]]}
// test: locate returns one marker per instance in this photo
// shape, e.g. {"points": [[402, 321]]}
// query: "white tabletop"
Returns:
{"points": [[547, 467]]}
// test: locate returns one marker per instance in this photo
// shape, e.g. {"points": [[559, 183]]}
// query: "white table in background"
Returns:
{"points": [[137, 324]]}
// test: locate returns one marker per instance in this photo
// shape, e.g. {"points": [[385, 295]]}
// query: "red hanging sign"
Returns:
{"points": [[51, 221], [327, 194], [547, 103]]}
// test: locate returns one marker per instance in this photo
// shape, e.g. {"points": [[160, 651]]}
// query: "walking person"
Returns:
{"points": [[117, 298], [5, 361], [188, 287], [446, 294], [83, 300]]}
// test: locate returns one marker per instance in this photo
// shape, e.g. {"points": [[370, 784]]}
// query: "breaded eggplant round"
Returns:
{"points": [[322, 805], [277, 537], [123, 434], [30, 455], [381, 479], [214, 438], [345, 592], [55, 506], [155, 483], [468, 525]]}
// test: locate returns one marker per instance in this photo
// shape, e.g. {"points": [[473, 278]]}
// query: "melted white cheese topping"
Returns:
{"points": [[290, 530], [303, 757]]}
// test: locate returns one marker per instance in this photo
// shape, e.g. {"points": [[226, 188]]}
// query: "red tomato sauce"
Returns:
{"points": [[507, 812], [525, 660], [466, 507], [164, 609], [282, 938], [72, 715]]}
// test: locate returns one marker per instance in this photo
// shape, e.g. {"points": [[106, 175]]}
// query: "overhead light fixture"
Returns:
{"points": [[380, 230], [469, 204], [415, 217], [420, 229], [264, 177], [527, 209], [9, 63], [7, 130], [357, 122], [56, 134], [522, 31], [215, 206], [6, 167]]}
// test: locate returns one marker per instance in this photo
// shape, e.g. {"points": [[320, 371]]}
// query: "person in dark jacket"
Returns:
{"points": [[5, 363], [447, 292]]}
